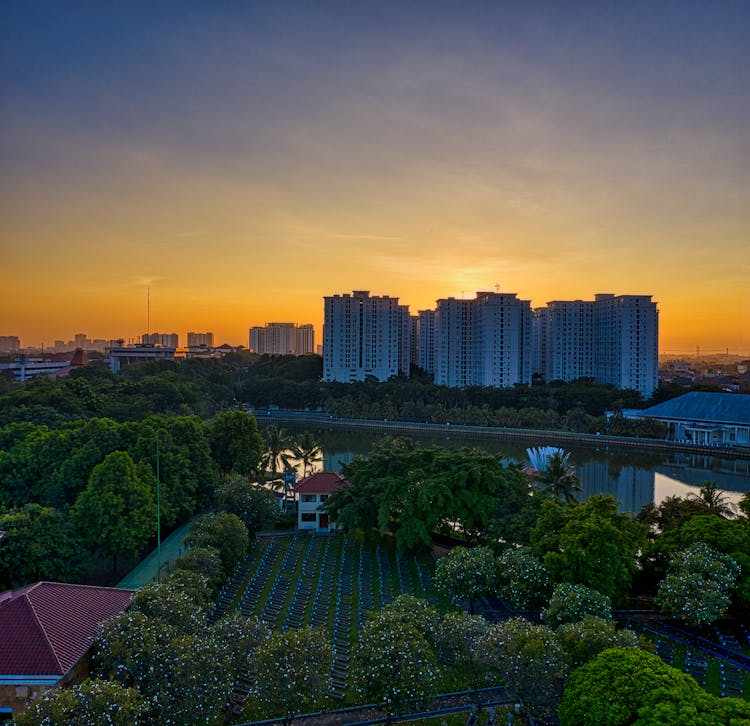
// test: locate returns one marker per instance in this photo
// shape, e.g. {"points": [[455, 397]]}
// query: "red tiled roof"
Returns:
{"points": [[46, 627], [324, 482]]}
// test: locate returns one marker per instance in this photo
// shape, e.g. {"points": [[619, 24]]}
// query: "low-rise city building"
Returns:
{"points": [[701, 417]]}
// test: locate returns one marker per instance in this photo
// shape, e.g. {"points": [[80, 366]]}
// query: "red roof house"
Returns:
{"points": [[47, 630], [312, 492]]}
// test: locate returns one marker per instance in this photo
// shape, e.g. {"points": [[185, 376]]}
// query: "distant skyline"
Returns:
{"points": [[244, 160]]}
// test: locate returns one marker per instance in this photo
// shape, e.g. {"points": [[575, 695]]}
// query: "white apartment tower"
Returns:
{"points": [[404, 340], [426, 340], [304, 339], [282, 339], [626, 334], [165, 340], [569, 340], [483, 342], [195, 340], [454, 342], [504, 343], [364, 336], [613, 339]]}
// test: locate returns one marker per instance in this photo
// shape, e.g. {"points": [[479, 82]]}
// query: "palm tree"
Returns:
{"points": [[713, 501], [277, 450], [559, 478], [308, 451]]}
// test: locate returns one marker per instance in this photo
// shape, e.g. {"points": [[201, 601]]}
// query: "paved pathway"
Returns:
{"points": [[171, 549]]}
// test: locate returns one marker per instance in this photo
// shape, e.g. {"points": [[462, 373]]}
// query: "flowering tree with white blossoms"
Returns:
{"points": [[466, 574], [457, 638], [697, 587], [571, 603], [91, 702], [185, 673], [395, 664], [530, 662], [587, 638], [521, 580], [291, 673]]}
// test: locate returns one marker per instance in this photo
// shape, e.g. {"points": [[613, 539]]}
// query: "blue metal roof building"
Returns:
{"points": [[704, 418]]}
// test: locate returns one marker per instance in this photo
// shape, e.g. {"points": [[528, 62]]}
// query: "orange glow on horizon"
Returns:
{"points": [[245, 163]]}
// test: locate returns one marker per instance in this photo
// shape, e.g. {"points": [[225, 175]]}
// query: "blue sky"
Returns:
{"points": [[245, 159]]}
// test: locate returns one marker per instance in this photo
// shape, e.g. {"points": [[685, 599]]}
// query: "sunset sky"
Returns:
{"points": [[244, 159]]}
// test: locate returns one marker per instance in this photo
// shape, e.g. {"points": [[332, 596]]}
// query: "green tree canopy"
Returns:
{"points": [[413, 492], [559, 478], [194, 586], [187, 473], [614, 686], [204, 561], [39, 544], [712, 500], [173, 659], [589, 544], [226, 533], [277, 450], [116, 512], [307, 449], [690, 707], [458, 637], [584, 639], [255, 505], [170, 605], [236, 444]]}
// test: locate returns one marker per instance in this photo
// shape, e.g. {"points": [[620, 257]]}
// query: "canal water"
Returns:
{"points": [[634, 479]]}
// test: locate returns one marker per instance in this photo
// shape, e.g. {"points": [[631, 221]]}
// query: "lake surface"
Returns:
{"points": [[634, 479]]}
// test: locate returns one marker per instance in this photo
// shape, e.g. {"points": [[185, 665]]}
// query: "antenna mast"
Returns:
{"points": [[148, 310]]}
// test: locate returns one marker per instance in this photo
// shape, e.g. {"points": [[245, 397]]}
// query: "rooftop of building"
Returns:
{"points": [[730, 408], [48, 626], [323, 482]]}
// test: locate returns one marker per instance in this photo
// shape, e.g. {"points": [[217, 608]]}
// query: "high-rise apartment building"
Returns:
{"points": [[164, 340], [9, 343], [426, 340], [626, 335], [404, 340], [258, 339], [454, 342], [304, 339], [282, 339], [569, 340], [612, 339], [364, 337], [195, 340], [483, 342], [495, 340]]}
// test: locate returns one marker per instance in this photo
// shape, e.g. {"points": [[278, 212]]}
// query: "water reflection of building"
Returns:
{"points": [[696, 469], [631, 486]]}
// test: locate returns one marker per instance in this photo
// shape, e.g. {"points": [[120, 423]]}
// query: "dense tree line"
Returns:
{"points": [[89, 486], [204, 387]]}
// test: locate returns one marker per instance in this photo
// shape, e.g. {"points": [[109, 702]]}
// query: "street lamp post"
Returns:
{"points": [[158, 514]]}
